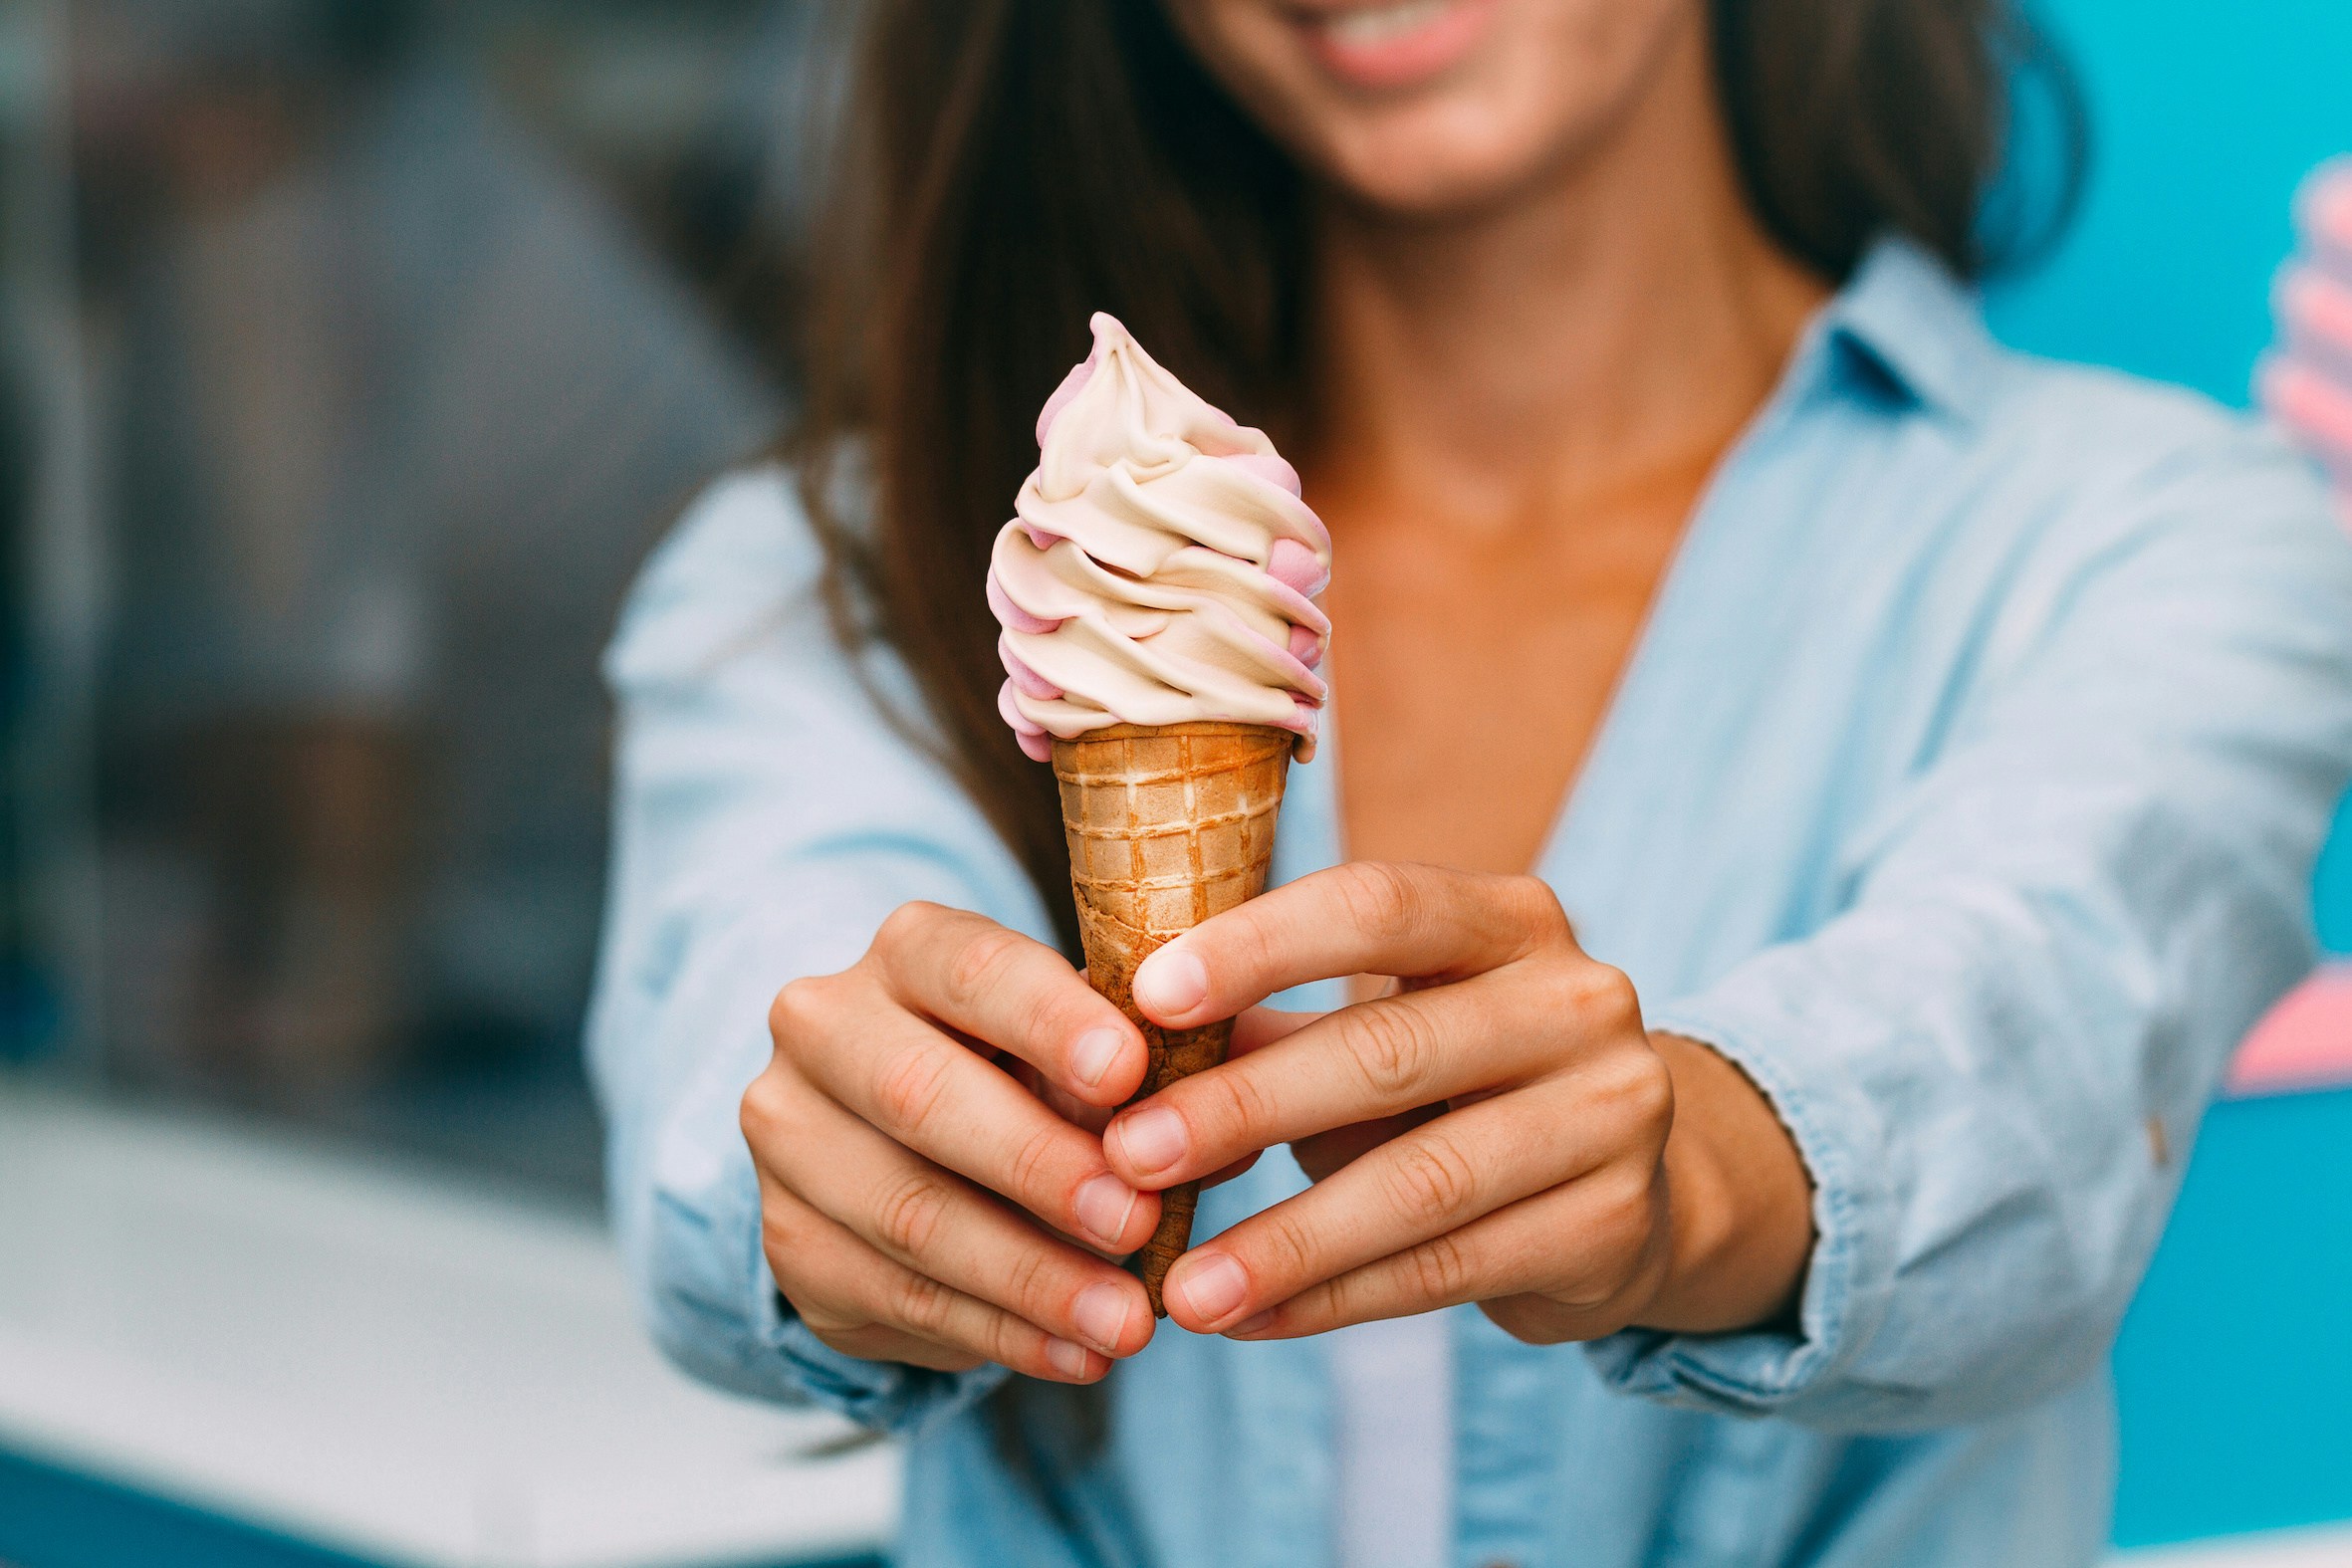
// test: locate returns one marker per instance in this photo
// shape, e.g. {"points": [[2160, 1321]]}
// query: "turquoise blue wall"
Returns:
{"points": [[2206, 112], [2235, 1371]]}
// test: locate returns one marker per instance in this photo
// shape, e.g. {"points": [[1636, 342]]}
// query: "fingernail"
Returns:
{"points": [[1096, 1053], [1253, 1325], [1101, 1314], [1066, 1358], [1152, 1139], [1103, 1203], [1212, 1288], [1171, 982]]}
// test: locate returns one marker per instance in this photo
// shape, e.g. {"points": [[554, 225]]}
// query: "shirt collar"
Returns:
{"points": [[1904, 323]]}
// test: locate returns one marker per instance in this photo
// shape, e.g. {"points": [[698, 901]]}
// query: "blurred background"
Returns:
{"points": [[371, 343], [353, 353]]}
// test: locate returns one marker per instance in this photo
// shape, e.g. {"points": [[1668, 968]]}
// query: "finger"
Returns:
{"points": [[814, 1262], [868, 1305], [1253, 1030], [1565, 1264], [940, 1226], [2312, 405], [1020, 996], [1376, 1059], [1436, 1179], [2325, 207], [934, 1096], [2316, 311], [1366, 917]]}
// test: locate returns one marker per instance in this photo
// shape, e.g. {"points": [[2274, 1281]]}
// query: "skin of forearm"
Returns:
{"points": [[1740, 1201]]}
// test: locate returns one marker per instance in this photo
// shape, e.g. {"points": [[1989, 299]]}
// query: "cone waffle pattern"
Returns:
{"points": [[1167, 825]]}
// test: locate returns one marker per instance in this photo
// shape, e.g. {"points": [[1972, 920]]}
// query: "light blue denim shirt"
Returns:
{"points": [[1964, 791]]}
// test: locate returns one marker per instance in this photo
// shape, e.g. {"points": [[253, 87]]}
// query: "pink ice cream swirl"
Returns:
{"points": [[1161, 567]]}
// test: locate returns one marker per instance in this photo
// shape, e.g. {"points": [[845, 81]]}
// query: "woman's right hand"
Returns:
{"points": [[919, 1203]]}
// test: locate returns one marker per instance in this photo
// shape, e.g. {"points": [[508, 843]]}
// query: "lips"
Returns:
{"points": [[1395, 44]]}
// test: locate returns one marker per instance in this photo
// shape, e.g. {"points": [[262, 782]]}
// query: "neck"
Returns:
{"points": [[1622, 314]]}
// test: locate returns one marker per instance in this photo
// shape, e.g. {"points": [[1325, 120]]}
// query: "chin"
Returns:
{"points": [[1424, 107], [1413, 169]]}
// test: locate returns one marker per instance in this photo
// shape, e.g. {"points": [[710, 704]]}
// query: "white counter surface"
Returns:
{"points": [[376, 1361]]}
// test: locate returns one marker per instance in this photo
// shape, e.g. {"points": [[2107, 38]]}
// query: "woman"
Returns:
{"points": [[1918, 752]]}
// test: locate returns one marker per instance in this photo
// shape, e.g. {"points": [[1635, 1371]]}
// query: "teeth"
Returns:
{"points": [[1378, 24]]}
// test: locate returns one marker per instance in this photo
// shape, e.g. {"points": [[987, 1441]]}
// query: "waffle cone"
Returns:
{"points": [[1168, 824]]}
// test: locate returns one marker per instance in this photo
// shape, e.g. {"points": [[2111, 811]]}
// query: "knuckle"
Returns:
{"points": [[1009, 1342], [1654, 1098], [1605, 994], [982, 964], [795, 1013], [1431, 1180], [1381, 897], [1606, 1281], [1617, 1231], [1538, 906], [1289, 1252], [1640, 1091], [905, 923], [1331, 1304], [1441, 1269], [1221, 1108], [909, 1215], [1030, 1167], [909, 1087], [922, 1304], [1395, 1050], [1637, 1211], [1029, 1282], [1250, 943], [762, 1113]]}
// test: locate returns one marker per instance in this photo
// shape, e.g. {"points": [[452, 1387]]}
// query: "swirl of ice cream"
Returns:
{"points": [[1161, 569]]}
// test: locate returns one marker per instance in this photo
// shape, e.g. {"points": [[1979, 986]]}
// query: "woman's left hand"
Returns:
{"points": [[1502, 1130]]}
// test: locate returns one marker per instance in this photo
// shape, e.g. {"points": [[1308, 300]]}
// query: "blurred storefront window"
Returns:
{"points": [[400, 330]]}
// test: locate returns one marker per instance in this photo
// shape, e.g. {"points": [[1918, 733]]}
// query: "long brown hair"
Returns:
{"points": [[1009, 166]]}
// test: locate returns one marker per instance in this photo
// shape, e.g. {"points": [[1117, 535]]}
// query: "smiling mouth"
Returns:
{"points": [[1393, 45], [1376, 25]]}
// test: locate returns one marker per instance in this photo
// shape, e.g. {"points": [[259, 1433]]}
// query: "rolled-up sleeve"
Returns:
{"points": [[2096, 877], [768, 819]]}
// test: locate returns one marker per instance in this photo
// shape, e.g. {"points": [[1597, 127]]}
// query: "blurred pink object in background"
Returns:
{"points": [[2305, 1042], [2306, 381]]}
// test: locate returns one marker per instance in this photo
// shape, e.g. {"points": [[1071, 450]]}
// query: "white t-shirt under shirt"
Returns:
{"points": [[1392, 1432]]}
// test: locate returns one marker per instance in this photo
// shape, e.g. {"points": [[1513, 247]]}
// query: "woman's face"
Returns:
{"points": [[1426, 106]]}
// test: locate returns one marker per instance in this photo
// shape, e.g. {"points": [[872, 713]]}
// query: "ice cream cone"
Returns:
{"points": [[1168, 824]]}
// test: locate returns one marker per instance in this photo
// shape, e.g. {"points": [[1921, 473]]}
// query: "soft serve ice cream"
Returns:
{"points": [[1161, 567]]}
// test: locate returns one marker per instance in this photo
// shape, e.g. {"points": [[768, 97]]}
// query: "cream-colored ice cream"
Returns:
{"points": [[1162, 567]]}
